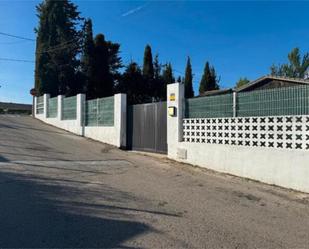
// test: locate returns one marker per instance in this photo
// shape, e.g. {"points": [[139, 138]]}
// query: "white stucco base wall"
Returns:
{"points": [[115, 135], [68, 125], [107, 135], [273, 166], [286, 167]]}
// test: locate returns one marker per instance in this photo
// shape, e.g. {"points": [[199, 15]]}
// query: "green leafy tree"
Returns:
{"points": [[179, 80], [209, 79], [58, 44], [297, 67], [241, 82], [189, 93]]}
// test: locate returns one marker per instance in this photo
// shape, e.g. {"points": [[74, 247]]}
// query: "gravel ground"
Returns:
{"points": [[61, 190]]}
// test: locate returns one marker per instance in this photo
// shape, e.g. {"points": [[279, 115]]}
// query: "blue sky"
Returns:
{"points": [[239, 38]]}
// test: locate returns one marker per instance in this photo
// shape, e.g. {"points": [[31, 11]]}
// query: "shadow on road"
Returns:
{"points": [[35, 215]]}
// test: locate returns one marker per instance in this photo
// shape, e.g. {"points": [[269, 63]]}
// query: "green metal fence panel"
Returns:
{"points": [[91, 117], [100, 112], [106, 111], [40, 105], [52, 107], [209, 106], [274, 102], [69, 108]]}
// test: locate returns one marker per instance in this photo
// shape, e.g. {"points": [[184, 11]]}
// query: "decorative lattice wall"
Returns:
{"points": [[281, 132]]}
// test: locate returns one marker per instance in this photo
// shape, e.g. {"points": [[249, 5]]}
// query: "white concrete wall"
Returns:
{"points": [[74, 126], [115, 135], [284, 167]]}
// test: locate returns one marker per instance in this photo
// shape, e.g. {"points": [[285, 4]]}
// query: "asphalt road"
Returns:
{"points": [[61, 190]]}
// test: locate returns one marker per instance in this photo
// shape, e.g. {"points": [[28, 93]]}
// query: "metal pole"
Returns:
{"points": [[234, 104]]}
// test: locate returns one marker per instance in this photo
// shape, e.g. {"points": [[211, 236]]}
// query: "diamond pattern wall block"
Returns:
{"points": [[278, 132]]}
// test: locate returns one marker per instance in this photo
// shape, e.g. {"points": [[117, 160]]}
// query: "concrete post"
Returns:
{"points": [[80, 110], [59, 107], [34, 103], [175, 98], [120, 119], [46, 102], [234, 104]]}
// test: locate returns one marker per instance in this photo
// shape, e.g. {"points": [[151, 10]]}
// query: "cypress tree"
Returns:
{"points": [[159, 85], [106, 65], [214, 79], [189, 93], [167, 75], [209, 79], [58, 44], [156, 67], [103, 85], [148, 70], [87, 61]]}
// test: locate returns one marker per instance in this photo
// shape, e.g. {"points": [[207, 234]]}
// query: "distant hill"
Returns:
{"points": [[15, 108]]}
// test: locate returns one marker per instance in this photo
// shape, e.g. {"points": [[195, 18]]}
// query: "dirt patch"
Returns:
{"points": [[249, 197]]}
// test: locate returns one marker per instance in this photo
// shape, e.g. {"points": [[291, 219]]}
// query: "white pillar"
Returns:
{"points": [[120, 119], [175, 98], [46, 102], [59, 107], [80, 112], [35, 103]]}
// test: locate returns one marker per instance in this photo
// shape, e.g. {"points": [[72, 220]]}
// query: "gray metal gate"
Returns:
{"points": [[147, 127]]}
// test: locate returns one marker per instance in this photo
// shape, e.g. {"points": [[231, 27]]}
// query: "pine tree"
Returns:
{"points": [[148, 70], [58, 44], [241, 82], [88, 60], [189, 93], [297, 67], [209, 79]]}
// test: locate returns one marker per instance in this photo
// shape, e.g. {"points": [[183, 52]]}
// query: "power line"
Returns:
{"points": [[60, 46], [16, 60], [17, 36]]}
